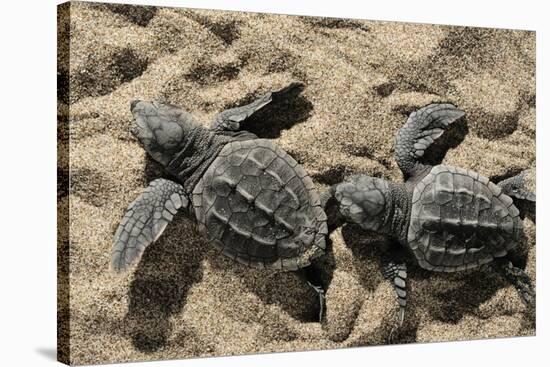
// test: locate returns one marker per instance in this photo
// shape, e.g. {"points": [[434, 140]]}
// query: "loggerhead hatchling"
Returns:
{"points": [[448, 218], [251, 200]]}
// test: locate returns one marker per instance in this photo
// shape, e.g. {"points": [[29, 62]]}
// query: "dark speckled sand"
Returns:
{"points": [[362, 79]]}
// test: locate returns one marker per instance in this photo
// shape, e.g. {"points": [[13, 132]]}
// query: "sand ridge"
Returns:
{"points": [[362, 79]]}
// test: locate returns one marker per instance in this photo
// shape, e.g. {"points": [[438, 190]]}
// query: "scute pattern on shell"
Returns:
{"points": [[257, 205], [460, 220]]}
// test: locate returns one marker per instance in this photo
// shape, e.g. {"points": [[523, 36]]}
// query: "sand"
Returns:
{"points": [[362, 79]]}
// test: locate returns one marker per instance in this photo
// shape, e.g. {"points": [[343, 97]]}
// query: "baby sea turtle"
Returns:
{"points": [[251, 200], [448, 218]]}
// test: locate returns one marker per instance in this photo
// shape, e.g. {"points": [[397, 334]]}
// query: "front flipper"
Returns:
{"points": [[396, 273], [231, 119], [145, 220], [419, 132], [515, 187]]}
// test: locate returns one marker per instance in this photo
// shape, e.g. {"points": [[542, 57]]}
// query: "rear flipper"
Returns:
{"points": [[515, 188], [313, 279], [232, 119], [519, 279], [396, 272], [419, 132], [145, 220]]}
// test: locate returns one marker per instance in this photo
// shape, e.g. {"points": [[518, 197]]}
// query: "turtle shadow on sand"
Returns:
{"points": [[289, 107], [452, 304], [285, 289], [160, 284], [454, 135], [162, 278], [447, 306], [169, 268], [434, 154], [368, 248]]}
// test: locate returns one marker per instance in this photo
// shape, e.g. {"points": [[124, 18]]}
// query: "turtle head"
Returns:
{"points": [[160, 128], [362, 201]]}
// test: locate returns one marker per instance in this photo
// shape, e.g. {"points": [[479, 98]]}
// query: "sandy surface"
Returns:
{"points": [[362, 80]]}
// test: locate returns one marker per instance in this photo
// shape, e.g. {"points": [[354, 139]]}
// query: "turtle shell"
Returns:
{"points": [[460, 220], [257, 205]]}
